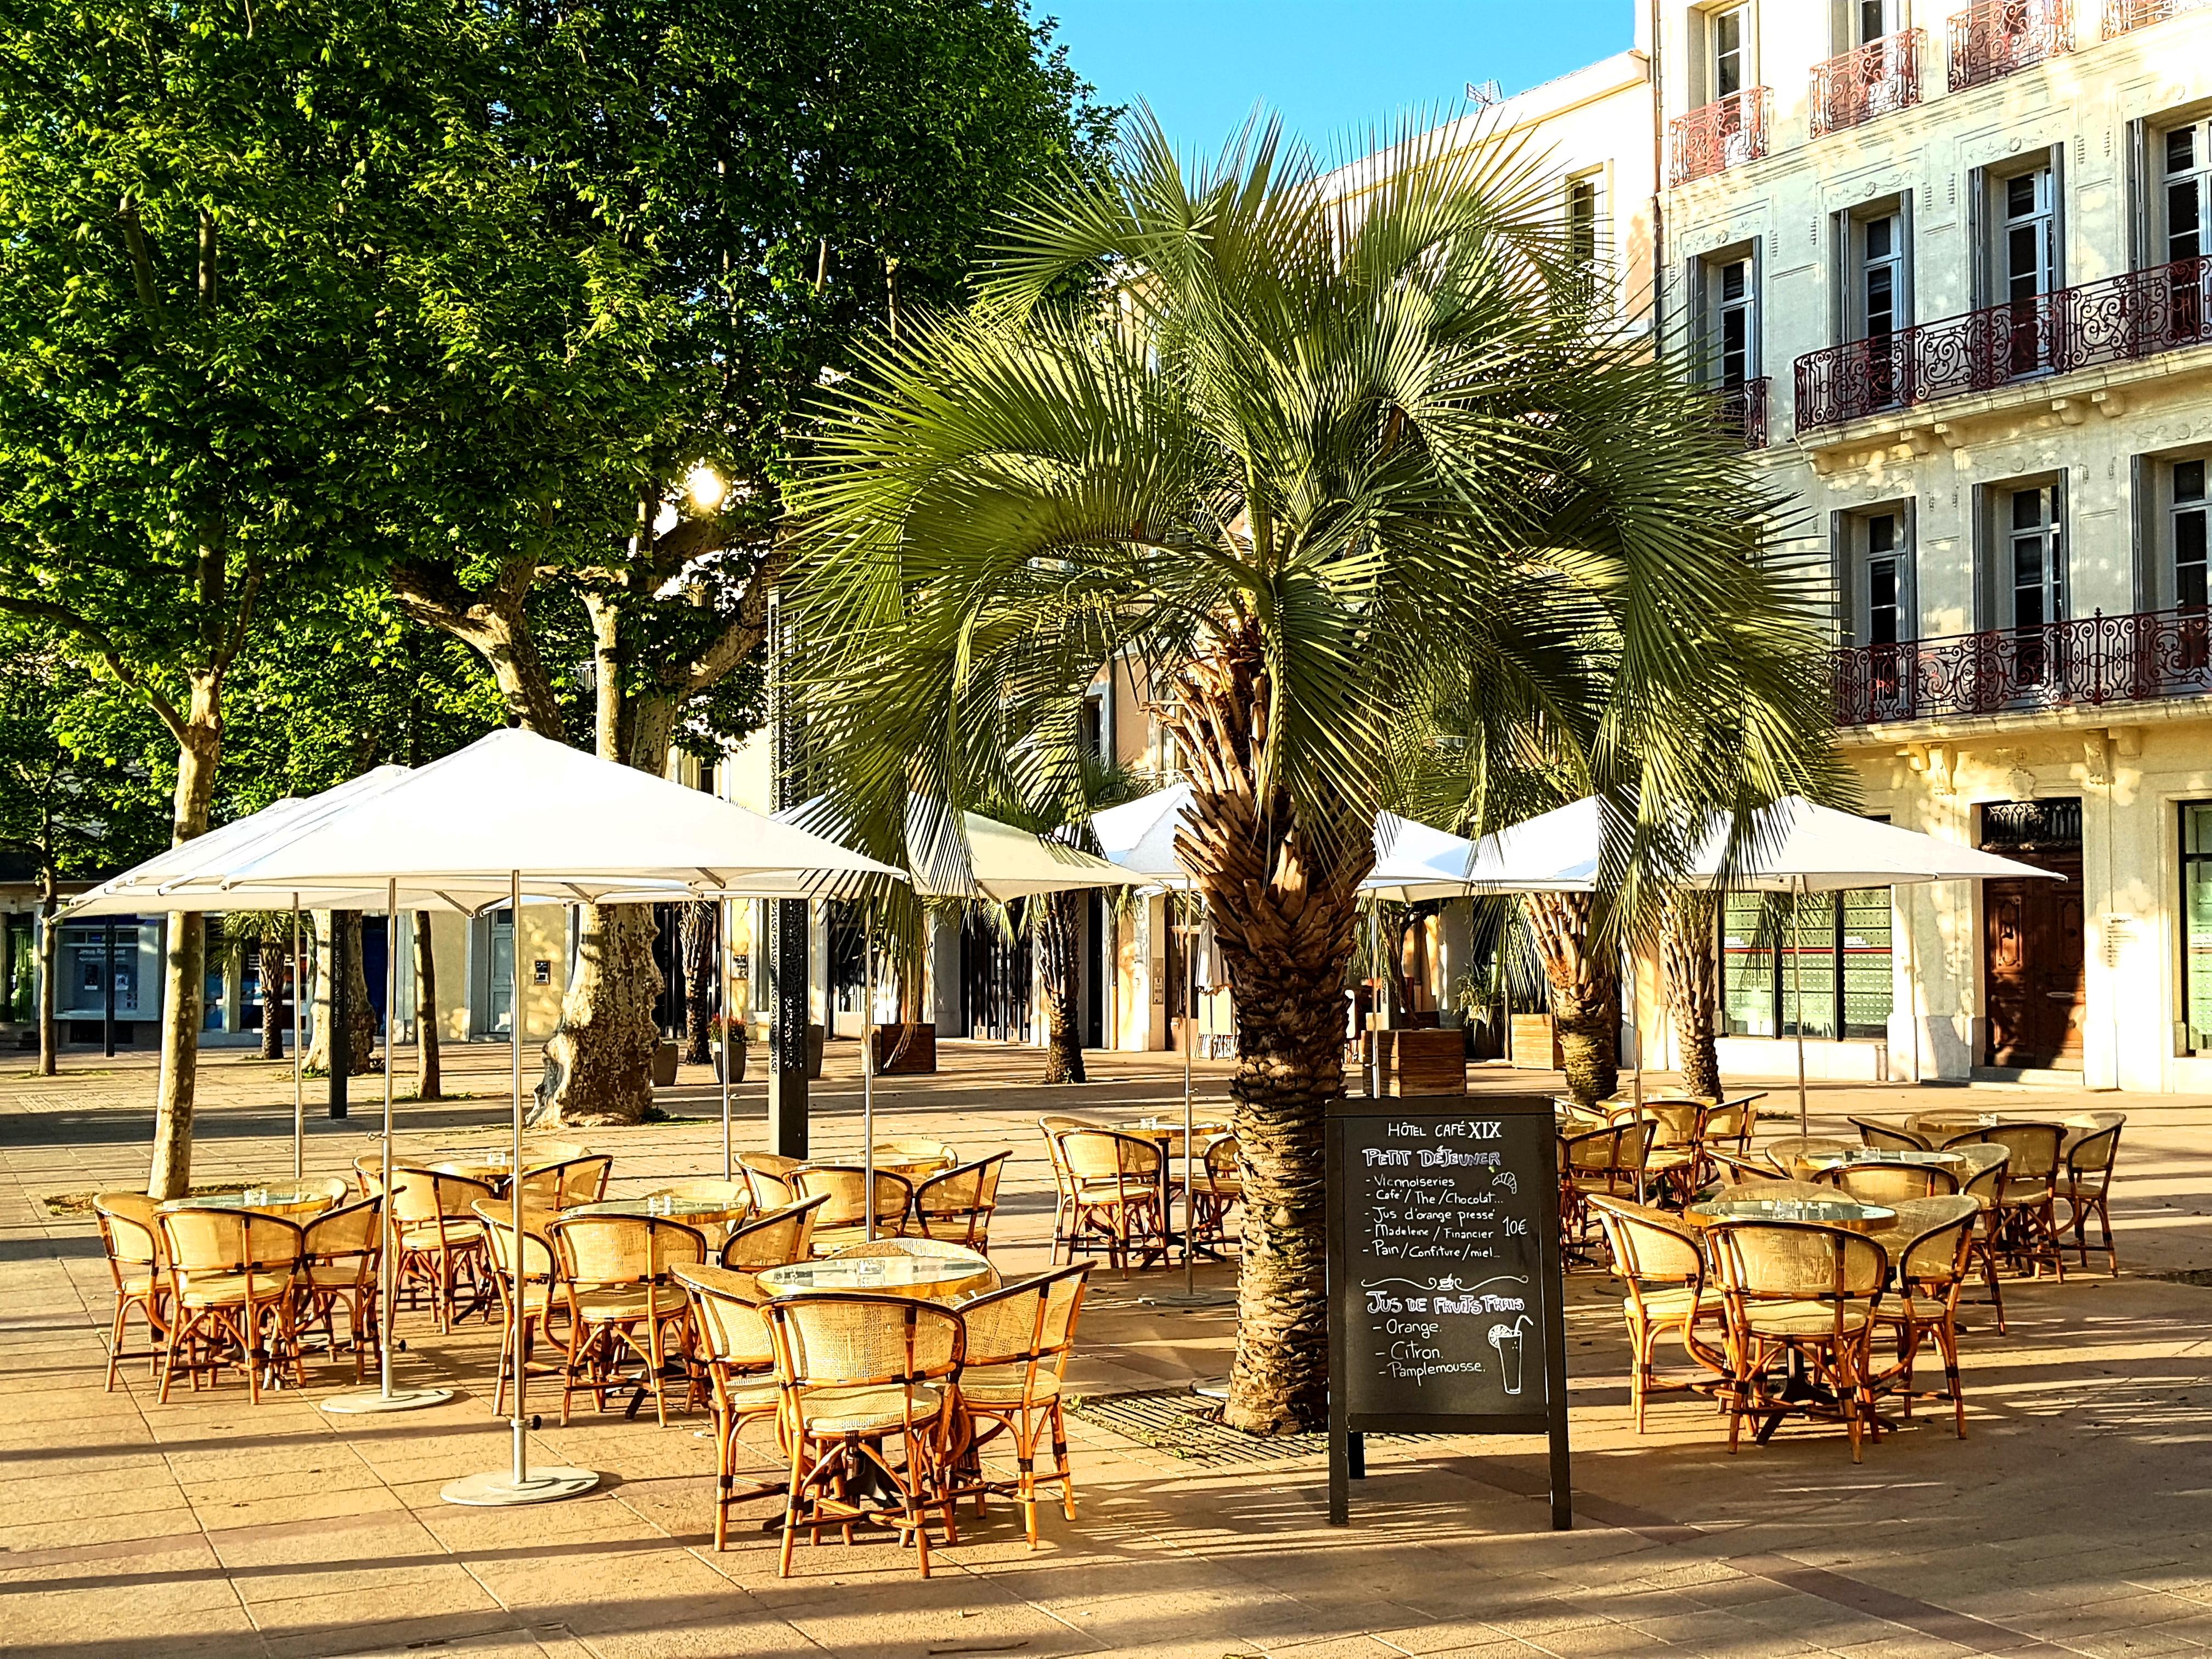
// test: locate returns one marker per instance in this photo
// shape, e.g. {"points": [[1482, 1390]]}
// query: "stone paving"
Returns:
{"points": [[2073, 1520]]}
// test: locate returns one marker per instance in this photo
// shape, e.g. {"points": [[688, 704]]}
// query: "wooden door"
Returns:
{"points": [[2033, 966]]}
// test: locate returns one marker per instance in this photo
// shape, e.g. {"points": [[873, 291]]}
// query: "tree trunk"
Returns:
{"points": [[1057, 975], [598, 1064], [1585, 991], [184, 970], [428, 1085], [319, 1039], [1686, 946], [698, 981], [50, 904], [1285, 894], [272, 1002], [360, 1015]]}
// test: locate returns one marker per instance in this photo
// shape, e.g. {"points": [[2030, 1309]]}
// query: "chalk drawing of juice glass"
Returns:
{"points": [[1507, 1339]]}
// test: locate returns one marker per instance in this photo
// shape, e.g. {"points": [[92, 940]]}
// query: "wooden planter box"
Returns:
{"points": [[1423, 1060], [1536, 1046], [920, 1054]]}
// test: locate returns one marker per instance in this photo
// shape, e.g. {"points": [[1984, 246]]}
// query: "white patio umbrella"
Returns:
{"points": [[472, 826], [1795, 846], [988, 860]]}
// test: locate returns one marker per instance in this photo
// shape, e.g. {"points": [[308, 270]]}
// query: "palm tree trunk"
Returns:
{"points": [[1057, 973], [428, 1085], [1686, 947], [1285, 895], [272, 1000], [1585, 991]]}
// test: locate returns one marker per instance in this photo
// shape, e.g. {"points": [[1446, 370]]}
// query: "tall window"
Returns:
{"points": [[1728, 32], [1734, 354], [2186, 527], [2196, 925], [1836, 957], [2026, 263], [2035, 544], [1882, 276], [1582, 217], [1877, 18], [2187, 154], [1885, 579]]}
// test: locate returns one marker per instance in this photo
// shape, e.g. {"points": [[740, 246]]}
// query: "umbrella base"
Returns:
{"points": [[502, 1491], [1224, 1298], [399, 1400]]}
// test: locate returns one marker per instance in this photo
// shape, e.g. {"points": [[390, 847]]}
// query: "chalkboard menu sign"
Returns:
{"points": [[1444, 1290]]}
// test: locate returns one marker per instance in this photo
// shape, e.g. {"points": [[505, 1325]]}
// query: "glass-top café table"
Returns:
{"points": [[943, 1275], [1828, 1211], [294, 1203]]}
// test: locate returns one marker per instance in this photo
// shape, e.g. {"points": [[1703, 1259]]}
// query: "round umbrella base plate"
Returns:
{"points": [[399, 1400], [1224, 1298], [502, 1491]]}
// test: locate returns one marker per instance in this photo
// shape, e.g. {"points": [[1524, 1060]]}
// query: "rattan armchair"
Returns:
{"points": [[1931, 1272], [845, 1218], [1672, 1162], [860, 1376], [1872, 1181], [958, 1204], [1663, 1265], [1019, 1338], [1726, 1132], [736, 1350], [339, 1252], [2026, 1230], [231, 1287], [538, 1272], [617, 1284], [2086, 1184], [774, 1239], [1890, 1136], [1607, 1163], [1063, 1184], [130, 1233], [1789, 1153], [441, 1248], [768, 1175], [1802, 1293], [1983, 1187], [1115, 1181], [563, 1185], [1217, 1188]]}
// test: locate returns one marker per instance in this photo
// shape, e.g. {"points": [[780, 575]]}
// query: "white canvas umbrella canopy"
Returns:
{"points": [[1796, 847], [511, 807]]}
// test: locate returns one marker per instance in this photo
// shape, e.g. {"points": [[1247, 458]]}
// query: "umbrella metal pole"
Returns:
{"points": [[1798, 995], [1378, 1022], [1190, 1125], [868, 1065], [299, 1085], [386, 1398], [517, 1484], [722, 1012]]}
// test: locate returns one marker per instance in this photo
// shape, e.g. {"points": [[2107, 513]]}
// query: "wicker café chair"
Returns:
{"points": [[538, 1273], [2026, 1230], [1931, 1272], [768, 1175], [441, 1246], [1726, 1132], [231, 1287], [617, 1280], [1873, 1182], [130, 1234], [1114, 1179], [1019, 1338], [2085, 1181], [1788, 1153], [773, 1240], [1733, 1169], [1217, 1187], [1892, 1137], [941, 1153], [845, 1217], [1063, 1183], [735, 1196], [1983, 1187], [338, 1269], [1663, 1265], [1801, 1292], [868, 1391], [958, 1204], [1678, 1139], [729, 1322], [1607, 1163], [569, 1182]]}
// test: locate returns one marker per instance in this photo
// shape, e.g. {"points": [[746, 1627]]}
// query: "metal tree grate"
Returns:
{"points": [[1183, 1425]]}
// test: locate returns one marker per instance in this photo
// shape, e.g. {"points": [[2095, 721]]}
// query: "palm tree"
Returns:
{"points": [[270, 932], [1325, 475], [1686, 942]]}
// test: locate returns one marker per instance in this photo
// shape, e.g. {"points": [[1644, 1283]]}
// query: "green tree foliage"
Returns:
{"points": [[1369, 490]]}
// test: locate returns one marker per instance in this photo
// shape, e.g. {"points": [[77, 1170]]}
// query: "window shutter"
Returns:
{"points": [[2137, 203], [1978, 239], [2142, 542], [1908, 573], [1842, 564]]}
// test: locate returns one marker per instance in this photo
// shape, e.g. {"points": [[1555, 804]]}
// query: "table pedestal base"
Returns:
{"points": [[503, 1491], [399, 1400]]}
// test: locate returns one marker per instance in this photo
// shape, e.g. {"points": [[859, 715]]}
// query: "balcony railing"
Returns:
{"points": [[1881, 77], [2137, 657], [1741, 411], [2121, 15], [1723, 134], [2116, 319], [1992, 39]]}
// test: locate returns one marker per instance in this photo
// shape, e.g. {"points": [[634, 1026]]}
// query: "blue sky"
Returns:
{"points": [[1330, 67]]}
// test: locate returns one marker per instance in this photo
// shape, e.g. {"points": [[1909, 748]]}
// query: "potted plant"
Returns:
{"points": [[731, 1037]]}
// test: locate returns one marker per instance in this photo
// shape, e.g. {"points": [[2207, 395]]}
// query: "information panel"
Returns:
{"points": [[1444, 1291]]}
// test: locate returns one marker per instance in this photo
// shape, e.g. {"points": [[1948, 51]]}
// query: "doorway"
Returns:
{"points": [[2031, 937]]}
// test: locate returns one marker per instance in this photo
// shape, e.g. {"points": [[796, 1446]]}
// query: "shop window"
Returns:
{"points": [[2197, 927], [1836, 957]]}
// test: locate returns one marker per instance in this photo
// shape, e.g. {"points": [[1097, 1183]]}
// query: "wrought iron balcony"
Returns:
{"points": [[1725, 133], [1741, 411], [1881, 77], [1992, 39], [2137, 657], [2115, 320], [2123, 15]]}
